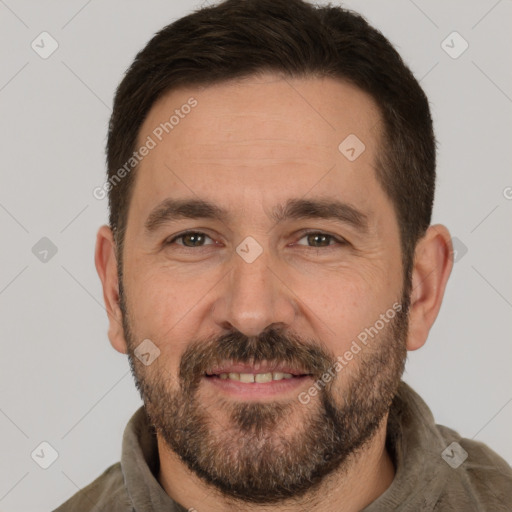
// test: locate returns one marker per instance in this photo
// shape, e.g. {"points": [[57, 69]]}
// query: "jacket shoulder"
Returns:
{"points": [[481, 473], [105, 494]]}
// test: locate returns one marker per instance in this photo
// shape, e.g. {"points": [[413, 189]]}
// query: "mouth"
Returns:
{"points": [[254, 377], [256, 381]]}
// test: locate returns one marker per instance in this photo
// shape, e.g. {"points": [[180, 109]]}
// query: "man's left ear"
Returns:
{"points": [[433, 262]]}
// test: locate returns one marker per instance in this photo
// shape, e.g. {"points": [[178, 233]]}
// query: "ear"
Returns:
{"points": [[433, 262], [106, 266]]}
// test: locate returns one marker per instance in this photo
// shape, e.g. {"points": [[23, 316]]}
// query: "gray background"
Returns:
{"points": [[61, 382]]}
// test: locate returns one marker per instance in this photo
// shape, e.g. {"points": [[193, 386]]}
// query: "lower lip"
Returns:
{"points": [[251, 390]]}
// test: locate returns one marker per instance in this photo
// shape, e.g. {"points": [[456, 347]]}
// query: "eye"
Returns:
{"points": [[317, 240], [190, 239]]}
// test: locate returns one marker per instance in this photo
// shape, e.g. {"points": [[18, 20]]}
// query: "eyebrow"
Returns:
{"points": [[294, 209], [174, 209], [321, 208]]}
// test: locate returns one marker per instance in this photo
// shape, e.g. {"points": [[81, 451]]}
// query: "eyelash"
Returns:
{"points": [[340, 241]]}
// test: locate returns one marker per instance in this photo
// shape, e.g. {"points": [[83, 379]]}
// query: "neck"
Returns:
{"points": [[364, 477]]}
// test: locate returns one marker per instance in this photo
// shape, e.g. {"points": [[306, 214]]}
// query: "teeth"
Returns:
{"points": [[246, 377], [263, 377], [258, 377]]}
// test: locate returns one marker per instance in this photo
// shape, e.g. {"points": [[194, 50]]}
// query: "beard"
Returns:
{"points": [[270, 452]]}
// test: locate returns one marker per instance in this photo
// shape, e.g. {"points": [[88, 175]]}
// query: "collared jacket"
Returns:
{"points": [[436, 470]]}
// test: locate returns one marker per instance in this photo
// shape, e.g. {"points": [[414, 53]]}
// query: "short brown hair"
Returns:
{"points": [[240, 38]]}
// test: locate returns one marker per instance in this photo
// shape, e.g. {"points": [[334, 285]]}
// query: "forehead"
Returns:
{"points": [[260, 138]]}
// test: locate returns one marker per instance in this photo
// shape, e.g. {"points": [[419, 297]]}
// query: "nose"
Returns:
{"points": [[254, 297]]}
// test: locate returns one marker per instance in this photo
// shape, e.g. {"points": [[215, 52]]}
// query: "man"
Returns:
{"points": [[269, 262]]}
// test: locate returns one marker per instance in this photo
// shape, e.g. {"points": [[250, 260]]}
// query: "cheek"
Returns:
{"points": [[155, 311], [163, 305], [344, 303]]}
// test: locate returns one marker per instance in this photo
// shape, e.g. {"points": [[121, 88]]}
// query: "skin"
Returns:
{"points": [[248, 146]]}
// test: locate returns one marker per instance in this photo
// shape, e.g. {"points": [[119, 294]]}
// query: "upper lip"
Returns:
{"points": [[261, 367]]}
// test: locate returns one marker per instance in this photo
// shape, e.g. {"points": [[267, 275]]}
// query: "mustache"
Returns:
{"points": [[272, 346]]}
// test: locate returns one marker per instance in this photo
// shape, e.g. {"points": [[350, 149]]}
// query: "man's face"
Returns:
{"points": [[271, 277]]}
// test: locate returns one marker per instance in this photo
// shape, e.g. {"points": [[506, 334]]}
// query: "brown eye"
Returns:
{"points": [[318, 240], [191, 239]]}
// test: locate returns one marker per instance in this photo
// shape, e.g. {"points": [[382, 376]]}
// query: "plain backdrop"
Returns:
{"points": [[60, 380]]}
